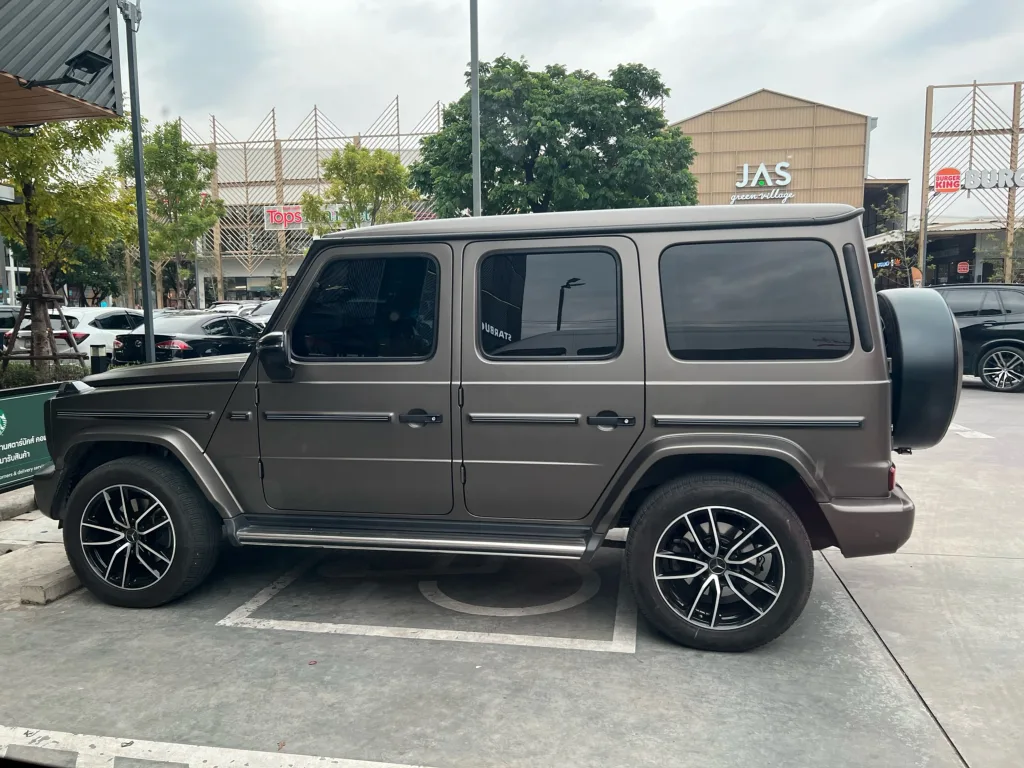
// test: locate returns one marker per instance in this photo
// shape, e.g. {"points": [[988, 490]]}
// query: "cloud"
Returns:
{"points": [[240, 58]]}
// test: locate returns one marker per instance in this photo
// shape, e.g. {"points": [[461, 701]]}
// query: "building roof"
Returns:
{"points": [[885, 182], [689, 217], [37, 37], [804, 102], [957, 225]]}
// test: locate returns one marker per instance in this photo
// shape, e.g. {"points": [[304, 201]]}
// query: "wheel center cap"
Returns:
{"points": [[131, 536], [717, 565]]}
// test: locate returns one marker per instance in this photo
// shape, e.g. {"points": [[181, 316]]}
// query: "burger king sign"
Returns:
{"points": [[947, 180]]}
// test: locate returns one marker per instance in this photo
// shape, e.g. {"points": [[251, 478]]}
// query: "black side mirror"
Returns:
{"points": [[275, 356]]}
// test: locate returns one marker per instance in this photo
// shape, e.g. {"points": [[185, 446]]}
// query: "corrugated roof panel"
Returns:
{"points": [[38, 36]]}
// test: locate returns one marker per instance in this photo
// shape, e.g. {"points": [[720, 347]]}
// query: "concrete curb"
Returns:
{"points": [[17, 502], [50, 587]]}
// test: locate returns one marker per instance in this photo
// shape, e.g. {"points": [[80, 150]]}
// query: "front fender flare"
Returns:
{"points": [[704, 444], [178, 442]]}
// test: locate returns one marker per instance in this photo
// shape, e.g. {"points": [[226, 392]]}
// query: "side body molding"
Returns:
{"points": [[694, 444], [179, 442]]}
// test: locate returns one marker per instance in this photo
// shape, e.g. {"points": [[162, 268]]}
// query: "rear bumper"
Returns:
{"points": [[45, 483], [871, 526]]}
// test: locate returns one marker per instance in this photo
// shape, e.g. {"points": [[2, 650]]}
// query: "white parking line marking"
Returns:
{"points": [[623, 631], [969, 433], [96, 751]]}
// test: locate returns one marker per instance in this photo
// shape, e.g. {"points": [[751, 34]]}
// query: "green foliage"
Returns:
{"points": [[24, 375], [179, 212], [102, 270], [369, 187], [555, 140], [66, 205], [900, 270]]}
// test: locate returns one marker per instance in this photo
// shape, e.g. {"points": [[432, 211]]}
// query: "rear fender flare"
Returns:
{"points": [[769, 446], [177, 442]]}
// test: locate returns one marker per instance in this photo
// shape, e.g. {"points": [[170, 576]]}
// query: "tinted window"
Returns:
{"points": [[772, 300], [177, 323], [370, 308], [265, 310], [7, 320], [241, 328], [134, 321], [1013, 302], [990, 306], [72, 320], [558, 304], [116, 321], [218, 328], [964, 302]]}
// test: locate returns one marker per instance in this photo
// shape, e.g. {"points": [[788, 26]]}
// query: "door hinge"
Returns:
{"points": [[256, 391], [462, 396], [462, 473], [260, 462]]}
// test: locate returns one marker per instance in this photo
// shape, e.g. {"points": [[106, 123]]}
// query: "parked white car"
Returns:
{"points": [[89, 326]]}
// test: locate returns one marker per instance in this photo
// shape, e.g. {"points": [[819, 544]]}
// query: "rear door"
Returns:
{"points": [[552, 373], [966, 305], [244, 334]]}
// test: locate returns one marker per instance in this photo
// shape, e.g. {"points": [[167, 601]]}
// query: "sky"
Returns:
{"points": [[237, 59]]}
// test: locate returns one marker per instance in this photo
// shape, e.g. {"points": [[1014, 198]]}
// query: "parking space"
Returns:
{"points": [[445, 661]]}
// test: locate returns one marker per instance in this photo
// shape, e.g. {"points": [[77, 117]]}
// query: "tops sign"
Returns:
{"points": [[276, 217], [952, 180], [763, 185]]}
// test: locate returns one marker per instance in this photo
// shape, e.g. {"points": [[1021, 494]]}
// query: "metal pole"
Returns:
{"points": [[474, 91], [132, 16], [926, 175], [1011, 198]]}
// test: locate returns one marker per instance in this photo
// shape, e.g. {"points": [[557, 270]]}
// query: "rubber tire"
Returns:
{"points": [[197, 529], [981, 366], [705, 489]]}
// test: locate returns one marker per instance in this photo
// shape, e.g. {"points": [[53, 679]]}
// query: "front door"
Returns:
{"points": [[365, 424], [552, 373]]}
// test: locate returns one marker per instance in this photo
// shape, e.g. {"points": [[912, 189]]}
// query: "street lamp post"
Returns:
{"points": [[132, 14], [474, 97], [572, 282]]}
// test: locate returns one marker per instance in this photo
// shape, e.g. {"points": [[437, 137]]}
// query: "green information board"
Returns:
{"points": [[22, 434]]}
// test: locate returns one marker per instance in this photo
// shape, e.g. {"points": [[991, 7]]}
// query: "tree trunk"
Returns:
{"points": [[158, 280], [40, 320]]}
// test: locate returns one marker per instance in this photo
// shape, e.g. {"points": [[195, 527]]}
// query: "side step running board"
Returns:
{"points": [[561, 547]]}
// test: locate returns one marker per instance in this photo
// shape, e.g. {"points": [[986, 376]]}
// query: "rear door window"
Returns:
{"points": [[754, 300], [217, 328], [964, 302], [1013, 303]]}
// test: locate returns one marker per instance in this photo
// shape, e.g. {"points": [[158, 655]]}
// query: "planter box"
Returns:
{"points": [[23, 448]]}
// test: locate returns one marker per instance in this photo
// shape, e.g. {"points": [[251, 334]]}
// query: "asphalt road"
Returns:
{"points": [[284, 657]]}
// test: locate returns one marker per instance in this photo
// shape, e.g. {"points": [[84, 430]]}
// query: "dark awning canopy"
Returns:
{"points": [[38, 39]]}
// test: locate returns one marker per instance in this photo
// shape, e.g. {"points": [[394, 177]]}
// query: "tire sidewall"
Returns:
{"points": [[679, 497], [984, 359], [128, 472]]}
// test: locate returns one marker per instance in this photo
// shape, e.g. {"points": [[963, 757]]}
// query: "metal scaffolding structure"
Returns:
{"points": [[978, 136], [270, 169]]}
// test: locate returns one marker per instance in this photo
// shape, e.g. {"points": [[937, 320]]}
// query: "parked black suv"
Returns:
{"points": [[991, 320], [714, 379]]}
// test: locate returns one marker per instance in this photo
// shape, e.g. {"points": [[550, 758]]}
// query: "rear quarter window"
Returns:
{"points": [[754, 300]]}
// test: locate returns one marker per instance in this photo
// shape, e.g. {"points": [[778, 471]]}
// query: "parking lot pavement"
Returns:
{"points": [[949, 605], [400, 660], [826, 693]]}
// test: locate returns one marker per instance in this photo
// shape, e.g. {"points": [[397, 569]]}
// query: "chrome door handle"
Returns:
{"points": [[611, 421]]}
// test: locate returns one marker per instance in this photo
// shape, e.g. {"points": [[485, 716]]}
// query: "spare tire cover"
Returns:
{"points": [[923, 344]]}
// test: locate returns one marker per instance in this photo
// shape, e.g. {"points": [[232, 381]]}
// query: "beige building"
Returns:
{"points": [[770, 147]]}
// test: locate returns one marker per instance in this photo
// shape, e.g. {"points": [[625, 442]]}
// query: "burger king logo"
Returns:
{"points": [[947, 180]]}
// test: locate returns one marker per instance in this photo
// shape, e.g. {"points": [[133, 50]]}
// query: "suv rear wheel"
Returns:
{"points": [[719, 562], [1002, 369], [138, 533]]}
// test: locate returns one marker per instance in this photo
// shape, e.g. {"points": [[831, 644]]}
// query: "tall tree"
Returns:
{"points": [[555, 140], [66, 203], [897, 259], [368, 186], [179, 210]]}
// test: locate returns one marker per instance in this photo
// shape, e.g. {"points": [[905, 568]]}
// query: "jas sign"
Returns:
{"points": [[764, 184], [953, 180]]}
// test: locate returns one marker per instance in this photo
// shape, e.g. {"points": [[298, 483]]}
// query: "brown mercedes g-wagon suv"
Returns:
{"points": [[723, 382]]}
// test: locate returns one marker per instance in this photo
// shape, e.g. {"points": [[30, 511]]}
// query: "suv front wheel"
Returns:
{"points": [[719, 562], [138, 533]]}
